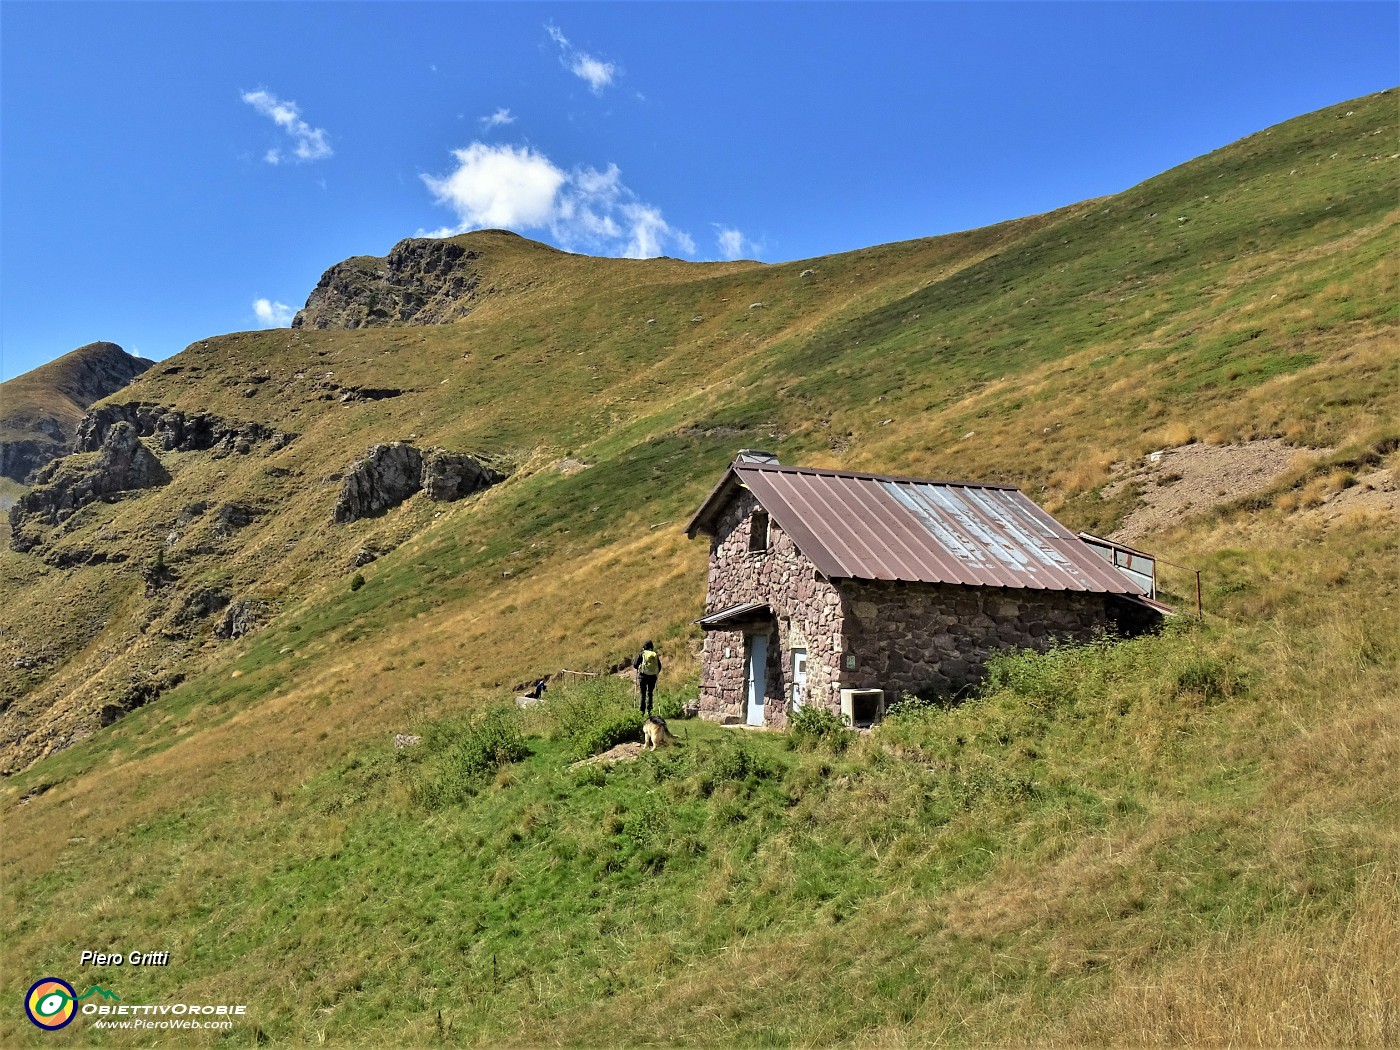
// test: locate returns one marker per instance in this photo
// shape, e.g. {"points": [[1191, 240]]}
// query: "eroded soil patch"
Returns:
{"points": [[1179, 482], [1375, 492]]}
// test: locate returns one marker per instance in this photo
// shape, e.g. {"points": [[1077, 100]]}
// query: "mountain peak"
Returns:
{"points": [[422, 281], [42, 408]]}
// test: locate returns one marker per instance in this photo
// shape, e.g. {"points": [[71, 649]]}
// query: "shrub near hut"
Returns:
{"points": [[593, 716], [463, 753]]}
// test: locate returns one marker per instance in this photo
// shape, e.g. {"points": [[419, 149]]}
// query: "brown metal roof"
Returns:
{"points": [[878, 527]]}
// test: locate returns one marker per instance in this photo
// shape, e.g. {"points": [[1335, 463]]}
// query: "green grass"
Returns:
{"points": [[516, 894]]}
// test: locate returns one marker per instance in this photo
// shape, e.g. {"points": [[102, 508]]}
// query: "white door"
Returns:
{"points": [[758, 674], [799, 678]]}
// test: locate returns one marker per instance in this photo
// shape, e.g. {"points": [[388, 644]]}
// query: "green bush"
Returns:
{"points": [[733, 761], [736, 762], [816, 727], [590, 717], [460, 754], [357, 581], [608, 734], [671, 706], [926, 700], [1042, 678], [574, 711], [1183, 659]]}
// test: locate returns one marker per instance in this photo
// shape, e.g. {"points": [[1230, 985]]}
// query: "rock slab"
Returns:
{"points": [[390, 473]]}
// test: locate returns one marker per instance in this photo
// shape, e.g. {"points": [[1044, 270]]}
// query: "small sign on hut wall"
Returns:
{"points": [[850, 661]]}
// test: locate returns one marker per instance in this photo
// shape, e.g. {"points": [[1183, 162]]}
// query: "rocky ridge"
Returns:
{"points": [[122, 464], [420, 281], [177, 431], [40, 410]]}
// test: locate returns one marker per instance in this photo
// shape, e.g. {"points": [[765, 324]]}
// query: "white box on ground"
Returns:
{"points": [[863, 707]]}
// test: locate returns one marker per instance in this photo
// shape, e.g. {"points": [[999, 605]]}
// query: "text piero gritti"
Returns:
{"points": [[91, 958]]}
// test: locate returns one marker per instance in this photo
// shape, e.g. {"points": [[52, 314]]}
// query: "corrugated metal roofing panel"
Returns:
{"points": [[872, 527], [734, 614]]}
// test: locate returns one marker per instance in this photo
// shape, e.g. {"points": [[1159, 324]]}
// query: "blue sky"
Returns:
{"points": [[177, 170]]}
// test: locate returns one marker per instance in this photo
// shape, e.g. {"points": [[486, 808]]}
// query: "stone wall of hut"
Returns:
{"points": [[914, 637], [806, 614]]}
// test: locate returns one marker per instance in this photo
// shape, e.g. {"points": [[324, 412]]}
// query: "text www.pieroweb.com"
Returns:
{"points": [[143, 1024], [187, 1017]]}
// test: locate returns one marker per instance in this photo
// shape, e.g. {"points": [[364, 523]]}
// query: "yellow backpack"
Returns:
{"points": [[651, 663]]}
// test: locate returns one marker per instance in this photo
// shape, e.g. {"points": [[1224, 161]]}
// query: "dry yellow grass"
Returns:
{"points": [[1335, 982], [1175, 434]]}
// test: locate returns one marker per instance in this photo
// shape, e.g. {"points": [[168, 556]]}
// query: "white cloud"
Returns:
{"points": [[499, 186], [498, 119], [732, 243], [598, 73], [595, 71], [271, 314], [308, 143], [584, 209]]}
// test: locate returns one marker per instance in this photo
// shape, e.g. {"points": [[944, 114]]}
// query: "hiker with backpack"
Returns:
{"points": [[648, 665]]}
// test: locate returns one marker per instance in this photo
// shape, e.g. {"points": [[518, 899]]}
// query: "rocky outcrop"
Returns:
{"points": [[421, 281], [231, 517], [121, 465], [390, 474], [355, 394], [243, 617], [139, 690], [199, 603], [451, 476], [40, 410], [176, 431], [387, 476], [20, 459]]}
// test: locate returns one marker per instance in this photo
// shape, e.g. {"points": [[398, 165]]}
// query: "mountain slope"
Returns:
{"points": [[40, 410], [1248, 294]]}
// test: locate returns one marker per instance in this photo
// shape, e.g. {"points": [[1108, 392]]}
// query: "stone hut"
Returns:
{"points": [[844, 590]]}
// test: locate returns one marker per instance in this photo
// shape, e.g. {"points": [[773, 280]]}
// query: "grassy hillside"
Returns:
{"points": [[1186, 839]]}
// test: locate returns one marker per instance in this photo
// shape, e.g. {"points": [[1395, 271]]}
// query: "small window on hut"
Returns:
{"points": [[758, 531]]}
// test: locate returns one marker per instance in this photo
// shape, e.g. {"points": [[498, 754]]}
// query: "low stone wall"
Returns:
{"points": [[723, 676], [911, 637]]}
